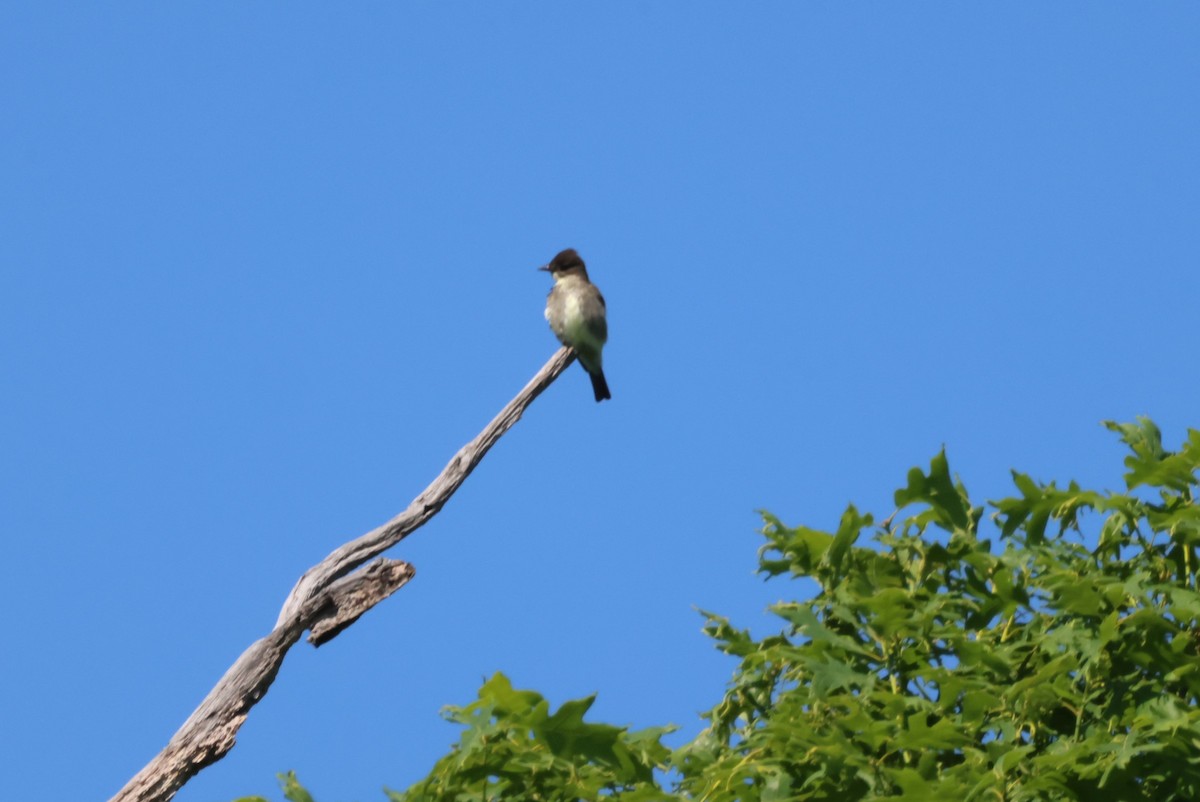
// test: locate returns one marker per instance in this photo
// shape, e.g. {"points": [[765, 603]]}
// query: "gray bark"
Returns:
{"points": [[329, 597]]}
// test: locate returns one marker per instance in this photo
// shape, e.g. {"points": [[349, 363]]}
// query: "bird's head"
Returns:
{"points": [[565, 263]]}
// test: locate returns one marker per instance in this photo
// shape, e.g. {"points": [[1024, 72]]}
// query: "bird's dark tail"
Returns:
{"points": [[599, 386]]}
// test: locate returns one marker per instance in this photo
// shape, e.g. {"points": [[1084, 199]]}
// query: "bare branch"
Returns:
{"points": [[351, 596], [327, 599]]}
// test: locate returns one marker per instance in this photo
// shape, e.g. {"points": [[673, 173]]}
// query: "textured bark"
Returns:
{"points": [[329, 597]]}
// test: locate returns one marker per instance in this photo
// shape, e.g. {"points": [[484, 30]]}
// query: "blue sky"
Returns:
{"points": [[264, 268]]}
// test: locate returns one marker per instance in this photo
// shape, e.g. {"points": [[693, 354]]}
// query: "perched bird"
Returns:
{"points": [[575, 310]]}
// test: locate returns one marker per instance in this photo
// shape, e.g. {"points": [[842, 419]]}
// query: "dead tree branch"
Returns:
{"points": [[329, 597]]}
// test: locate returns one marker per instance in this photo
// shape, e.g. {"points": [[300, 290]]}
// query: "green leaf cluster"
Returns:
{"points": [[513, 747], [1058, 658], [1060, 663]]}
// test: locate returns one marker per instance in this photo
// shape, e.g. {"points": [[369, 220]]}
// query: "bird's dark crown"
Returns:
{"points": [[565, 260]]}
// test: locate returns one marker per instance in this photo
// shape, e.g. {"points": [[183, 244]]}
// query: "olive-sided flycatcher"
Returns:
{"points": [[575, 309]]}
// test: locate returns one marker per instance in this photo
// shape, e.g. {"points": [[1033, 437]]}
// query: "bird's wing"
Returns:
{"points": [[597, 326]]}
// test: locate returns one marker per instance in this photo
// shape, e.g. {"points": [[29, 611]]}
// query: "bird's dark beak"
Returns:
{"points": [[545, 267]]}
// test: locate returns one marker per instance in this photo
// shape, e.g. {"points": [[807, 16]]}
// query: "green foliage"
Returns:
{"points": [[939, 667], [1060, 662], [293, 791], [515, 748]]}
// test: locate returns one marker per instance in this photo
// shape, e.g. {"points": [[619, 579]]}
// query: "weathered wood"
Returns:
{"points": [[351, 596], [329, 597]]}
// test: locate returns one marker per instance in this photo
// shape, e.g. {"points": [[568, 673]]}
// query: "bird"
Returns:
{"points": [[575, 310]]}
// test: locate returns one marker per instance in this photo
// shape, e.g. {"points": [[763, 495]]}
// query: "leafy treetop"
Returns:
{"points": [[933, 664]]}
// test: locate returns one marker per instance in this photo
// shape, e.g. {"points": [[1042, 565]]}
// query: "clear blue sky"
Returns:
{"points": [[265, 267]]}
